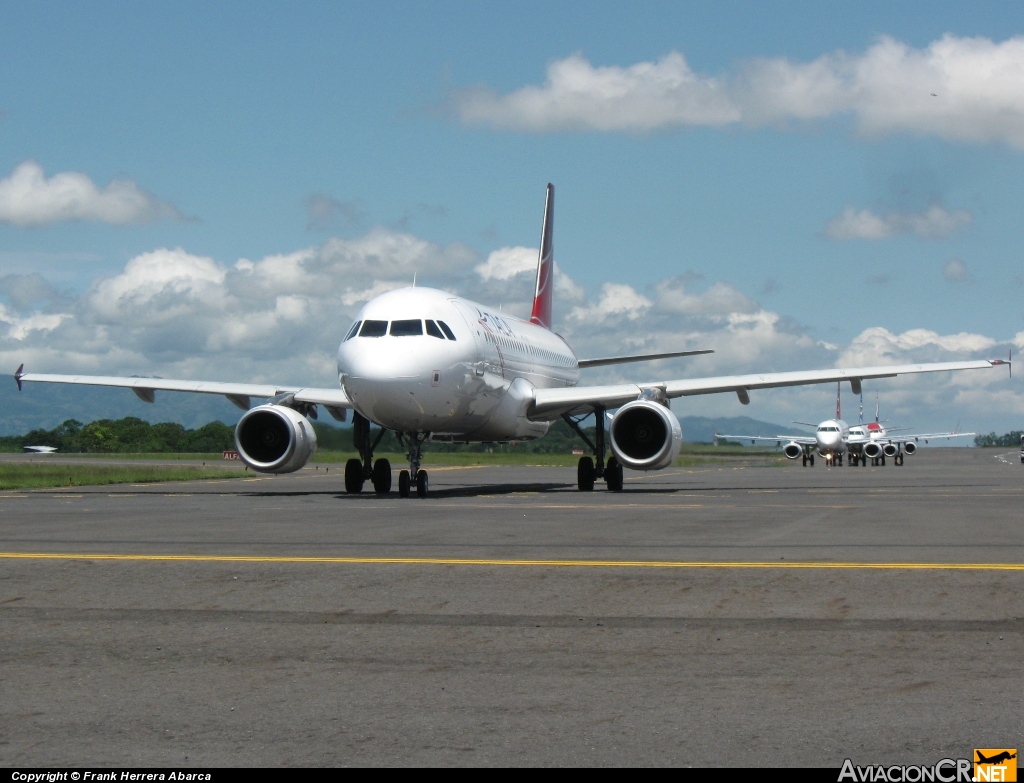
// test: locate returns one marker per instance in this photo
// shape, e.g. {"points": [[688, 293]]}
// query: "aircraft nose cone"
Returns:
{"points": [[381, 361]]}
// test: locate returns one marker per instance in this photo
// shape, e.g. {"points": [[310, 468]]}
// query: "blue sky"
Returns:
{"points": [[777, 183]]}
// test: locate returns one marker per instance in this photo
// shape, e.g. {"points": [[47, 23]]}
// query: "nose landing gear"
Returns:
{"points": [[414, 477]]}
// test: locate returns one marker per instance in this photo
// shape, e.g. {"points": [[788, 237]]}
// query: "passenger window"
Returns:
{"points": [[352, 331], [407, 328], [447, 332], [374, 329], [433, 331]]}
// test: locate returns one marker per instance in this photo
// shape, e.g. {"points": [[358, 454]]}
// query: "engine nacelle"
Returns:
{"points": [[872, 450], [645, 435], [890, 449], [274, 439], [793, 450], [910, 447]]}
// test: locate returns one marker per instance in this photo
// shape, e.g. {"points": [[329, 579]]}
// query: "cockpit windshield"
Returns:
{"points": [[407, 328]]}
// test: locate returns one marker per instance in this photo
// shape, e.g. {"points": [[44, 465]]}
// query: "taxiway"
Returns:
{"points": [[720, 615]]}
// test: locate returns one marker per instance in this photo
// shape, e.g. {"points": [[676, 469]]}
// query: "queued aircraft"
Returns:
{"points": [[834, 438], [40, 449], [429, 365]]}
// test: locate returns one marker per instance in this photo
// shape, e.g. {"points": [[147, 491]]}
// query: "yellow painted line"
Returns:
{"points": [[515, 562]]}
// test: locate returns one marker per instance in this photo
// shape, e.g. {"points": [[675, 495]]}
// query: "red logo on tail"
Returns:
{"points": [[545, 266]]}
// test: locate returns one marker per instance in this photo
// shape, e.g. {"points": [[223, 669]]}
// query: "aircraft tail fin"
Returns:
{"points": [[541, 314]]}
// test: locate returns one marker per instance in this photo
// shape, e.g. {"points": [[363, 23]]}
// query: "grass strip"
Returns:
{"points": [[35, 476]]}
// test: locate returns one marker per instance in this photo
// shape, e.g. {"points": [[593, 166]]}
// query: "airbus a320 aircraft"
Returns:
{"points": [[834, 438], [430, 365]]}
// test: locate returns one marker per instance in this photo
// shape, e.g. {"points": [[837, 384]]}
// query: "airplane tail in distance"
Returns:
{"points": [[545, 266]]}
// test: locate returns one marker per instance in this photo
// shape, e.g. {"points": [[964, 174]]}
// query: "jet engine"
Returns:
{"points": [[645, 435], [910, 447], [793, 450], [274, 439], [872, 450], [890, 449]]}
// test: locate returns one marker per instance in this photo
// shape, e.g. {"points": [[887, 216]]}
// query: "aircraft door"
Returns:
{"points": [[485, 348]]}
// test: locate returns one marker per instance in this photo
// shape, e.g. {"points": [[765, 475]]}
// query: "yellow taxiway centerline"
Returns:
{"points": [[514, 562]]}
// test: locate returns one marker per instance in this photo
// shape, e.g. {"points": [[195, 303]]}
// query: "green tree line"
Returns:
{"points": [[134, 435], [1009, 439], [128, 435]]}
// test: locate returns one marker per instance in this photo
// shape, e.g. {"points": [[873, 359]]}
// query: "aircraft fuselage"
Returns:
{"points": [[402, 369]]}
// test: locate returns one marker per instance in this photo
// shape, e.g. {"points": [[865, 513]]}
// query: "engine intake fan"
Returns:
{"points": [[274, 439], [645, 435]]}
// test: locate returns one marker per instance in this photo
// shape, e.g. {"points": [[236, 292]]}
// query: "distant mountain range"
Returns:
{"points": [[44, 406]]}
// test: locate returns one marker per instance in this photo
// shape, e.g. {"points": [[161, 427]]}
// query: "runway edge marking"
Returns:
{"points": [[513, 562]]}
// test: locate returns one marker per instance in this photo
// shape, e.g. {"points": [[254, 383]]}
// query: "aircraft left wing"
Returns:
{"points": [[931, 436], [334, 400], [647, 357], [549, 404]]}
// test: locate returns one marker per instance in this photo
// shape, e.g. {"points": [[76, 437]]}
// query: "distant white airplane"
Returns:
{"points": [[834, 438], [41, 449], [430, 365]]}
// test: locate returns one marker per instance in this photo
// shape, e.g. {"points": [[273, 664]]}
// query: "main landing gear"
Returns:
{"points": [[378, 472], [808, 457], [358, 471], [587, 472]]}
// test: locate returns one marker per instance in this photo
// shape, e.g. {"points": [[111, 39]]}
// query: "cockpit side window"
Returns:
{"points": [[448, 332], [433, 331], [407, 328], [352, 331], [374, 329]]}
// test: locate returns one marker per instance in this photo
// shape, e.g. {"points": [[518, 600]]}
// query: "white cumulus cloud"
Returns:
{"points": [[507, 262], [936, 222], [957, 88], [28, 198], [955, 271], [280, 318]]}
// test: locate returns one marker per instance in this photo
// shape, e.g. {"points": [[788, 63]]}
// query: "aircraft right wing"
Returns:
{"points": [[334, 400], [549, 404], [803, 440]]}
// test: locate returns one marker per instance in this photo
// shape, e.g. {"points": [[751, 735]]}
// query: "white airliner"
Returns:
{"points": [[430, 365], [834, 438]]}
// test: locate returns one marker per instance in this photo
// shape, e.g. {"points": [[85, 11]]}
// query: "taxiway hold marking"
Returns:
{"points": [[513, 562]]}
